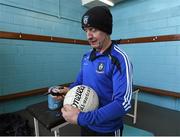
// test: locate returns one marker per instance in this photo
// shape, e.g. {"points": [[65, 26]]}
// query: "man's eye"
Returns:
{"points": [[93, 30]]}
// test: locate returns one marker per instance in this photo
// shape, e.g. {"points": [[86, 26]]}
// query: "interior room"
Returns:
{"points": [[43, 44]]}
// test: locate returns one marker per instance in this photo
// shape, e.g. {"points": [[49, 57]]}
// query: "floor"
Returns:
{"points": [[158, 120], [154, 119]]}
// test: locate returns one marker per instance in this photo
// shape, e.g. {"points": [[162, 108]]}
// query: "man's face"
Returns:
{"points": [[95, 37]]}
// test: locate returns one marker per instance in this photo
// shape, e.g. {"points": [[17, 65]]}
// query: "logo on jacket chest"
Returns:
{"points": [[100, 67]]}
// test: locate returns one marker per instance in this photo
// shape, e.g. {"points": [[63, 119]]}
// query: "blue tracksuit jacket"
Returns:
{"points": [[110, 75]]}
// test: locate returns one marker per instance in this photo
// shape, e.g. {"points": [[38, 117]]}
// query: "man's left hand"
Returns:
{"points": [[70, 113]]}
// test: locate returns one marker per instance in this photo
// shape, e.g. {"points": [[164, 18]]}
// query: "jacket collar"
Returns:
{"points": [[93, 54]]}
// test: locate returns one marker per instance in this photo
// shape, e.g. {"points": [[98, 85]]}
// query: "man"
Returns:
{"points": [[106, 69]]}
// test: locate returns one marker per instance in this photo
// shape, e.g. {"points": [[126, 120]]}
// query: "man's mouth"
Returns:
{"points": [[93, 42]]}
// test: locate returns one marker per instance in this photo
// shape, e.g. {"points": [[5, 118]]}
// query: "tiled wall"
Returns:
{"points": [[27, 65], [48, 17], [155, 64]]}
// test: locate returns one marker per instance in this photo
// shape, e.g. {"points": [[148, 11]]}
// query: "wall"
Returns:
{"points": [[155, 64], [27, 65]]}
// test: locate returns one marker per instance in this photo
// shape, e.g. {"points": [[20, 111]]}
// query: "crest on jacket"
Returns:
{"points": [[100, 68]]}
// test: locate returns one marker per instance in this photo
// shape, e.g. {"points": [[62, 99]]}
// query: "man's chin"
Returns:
{"points": [[94, 45]]}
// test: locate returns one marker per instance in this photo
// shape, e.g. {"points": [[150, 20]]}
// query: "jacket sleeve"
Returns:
{"points": [[79, 78], [122, 92]]}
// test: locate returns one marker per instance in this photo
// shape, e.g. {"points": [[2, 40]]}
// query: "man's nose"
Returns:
{"points": [[89, 35]]}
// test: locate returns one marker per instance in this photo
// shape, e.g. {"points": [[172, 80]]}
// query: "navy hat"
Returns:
{"points": [[98, 17]]}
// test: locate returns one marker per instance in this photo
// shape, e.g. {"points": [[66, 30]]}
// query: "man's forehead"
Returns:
{"points": [[90, 28]]}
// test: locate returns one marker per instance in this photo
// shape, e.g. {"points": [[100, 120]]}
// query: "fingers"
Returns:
{"points": [[65, 109], [70, 113], [62, 91], [58, 89], [59, 97]]}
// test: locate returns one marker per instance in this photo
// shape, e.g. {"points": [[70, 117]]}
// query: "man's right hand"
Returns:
{"points": [[62, 91], [58, 92]]}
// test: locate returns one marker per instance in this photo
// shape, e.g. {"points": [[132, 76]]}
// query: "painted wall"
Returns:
{"points": [[155, 64], [27, 65]]}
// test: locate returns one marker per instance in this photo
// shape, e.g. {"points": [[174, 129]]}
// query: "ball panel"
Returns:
{"points": [[82, 97]]}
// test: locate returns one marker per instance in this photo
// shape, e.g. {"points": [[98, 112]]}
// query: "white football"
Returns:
{"points": [[82, 97]]}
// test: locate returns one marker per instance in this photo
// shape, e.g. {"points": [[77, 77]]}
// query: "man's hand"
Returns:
{"points": [[70, 113], [62, 92]]}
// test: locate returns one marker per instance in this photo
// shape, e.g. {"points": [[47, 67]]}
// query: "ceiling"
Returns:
{"points": [[116, 1], [92, 3]]}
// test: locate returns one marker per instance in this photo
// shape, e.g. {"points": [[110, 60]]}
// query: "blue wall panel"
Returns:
{"points": [[155, 64], [28, 65]]}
